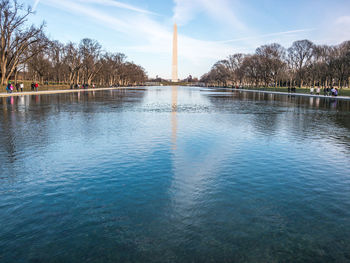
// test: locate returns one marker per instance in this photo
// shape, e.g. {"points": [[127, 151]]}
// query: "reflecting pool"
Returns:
{"points": [[174, 174]]}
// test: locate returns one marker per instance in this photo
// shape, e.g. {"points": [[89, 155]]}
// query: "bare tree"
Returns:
{"points": [[271, 58], [251, 69], [112, 64], [39, 65], [16, 38], [235, 63], [300, 55], [59, 71], [340, 63], [221, 72], [90, 51], [72, 59], [320, 70], [134, 74]]}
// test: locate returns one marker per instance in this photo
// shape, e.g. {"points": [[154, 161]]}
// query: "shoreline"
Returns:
{"points": [[294, 94], [48, 92]]}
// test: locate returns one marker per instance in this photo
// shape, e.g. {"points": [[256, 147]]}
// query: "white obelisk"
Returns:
{"points": [[175, 77]]}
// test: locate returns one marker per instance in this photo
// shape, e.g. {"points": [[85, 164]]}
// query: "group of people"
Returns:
{"points": [[327, 91], [18, 86], [315, 91], [84, 86], [34, 86], [331, 91]]}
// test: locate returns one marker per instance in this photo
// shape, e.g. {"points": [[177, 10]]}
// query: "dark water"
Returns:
{"points": [[174, 175]]}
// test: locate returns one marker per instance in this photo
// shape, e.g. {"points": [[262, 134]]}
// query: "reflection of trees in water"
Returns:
{"points": [[6, 127], [26, 121], [306, 116]]}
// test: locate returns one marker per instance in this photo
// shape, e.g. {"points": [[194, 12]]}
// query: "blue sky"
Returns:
{"points": [[209, 30]]}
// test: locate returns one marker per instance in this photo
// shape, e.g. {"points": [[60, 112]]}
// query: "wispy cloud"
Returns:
{"points": [[219, 10], [185, 11], [269, 35], [75, 8], [117, 4], [36, 2], [343, 20], [111, 3]]}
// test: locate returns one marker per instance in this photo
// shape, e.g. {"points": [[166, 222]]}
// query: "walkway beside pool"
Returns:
{"points": [[295, 94], [45, 92]]}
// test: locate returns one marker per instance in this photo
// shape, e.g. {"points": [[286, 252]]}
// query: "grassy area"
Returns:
{"points": [[167, 83], [50, 86], [342, 92]]}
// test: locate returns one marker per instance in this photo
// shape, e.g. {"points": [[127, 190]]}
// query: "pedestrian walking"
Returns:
{"points": [[17, 87], [333, 91], [32, 86], [312, 90], [9, 87], [318, 91], [21, 86], [36, 86]]}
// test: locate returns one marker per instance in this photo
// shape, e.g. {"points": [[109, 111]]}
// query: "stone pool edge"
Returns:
{"points": [[48, 92], [294, 94]]}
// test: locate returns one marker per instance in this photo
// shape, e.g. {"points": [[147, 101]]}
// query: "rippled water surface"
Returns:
{"points": [[174, 175]]}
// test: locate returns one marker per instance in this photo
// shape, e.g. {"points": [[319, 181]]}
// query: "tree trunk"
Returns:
{"points": [[16, 76], [3, 74], [78, 77]]}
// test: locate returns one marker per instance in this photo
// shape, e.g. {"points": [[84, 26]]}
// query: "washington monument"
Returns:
{"points": [[175, 77]]}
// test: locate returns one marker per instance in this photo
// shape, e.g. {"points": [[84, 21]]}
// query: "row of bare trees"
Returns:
{"points": [[83, 63], [26, 51], [304, 63]]}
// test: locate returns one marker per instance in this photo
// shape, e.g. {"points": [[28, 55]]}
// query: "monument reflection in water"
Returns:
{"points": [[173, 115], [174, 174]]}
